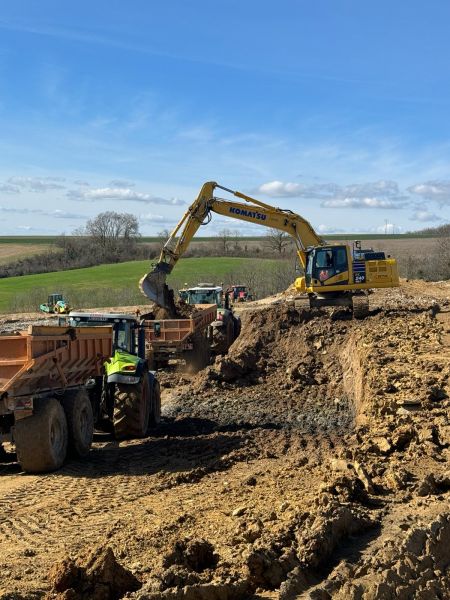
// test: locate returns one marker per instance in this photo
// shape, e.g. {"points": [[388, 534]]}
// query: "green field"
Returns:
{"points": [[46, 240], [115, 284]]}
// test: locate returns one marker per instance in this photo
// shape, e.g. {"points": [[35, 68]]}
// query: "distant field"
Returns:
{"points": [[10, 252], [27, 239], [46, 240], [97, 286]]}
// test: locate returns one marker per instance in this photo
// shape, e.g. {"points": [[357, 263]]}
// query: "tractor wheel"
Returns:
{"points": [[155, 411], [132, 409], [41, 440], [80, 421]]}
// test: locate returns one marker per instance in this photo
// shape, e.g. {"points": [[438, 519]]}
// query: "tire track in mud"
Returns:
{"points": [[79, 503]]}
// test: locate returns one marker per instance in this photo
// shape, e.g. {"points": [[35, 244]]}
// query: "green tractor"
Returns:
{"points": [[227, 326], [56, 303], [126, 399]]}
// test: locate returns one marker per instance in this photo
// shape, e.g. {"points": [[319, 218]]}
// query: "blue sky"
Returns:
{"points": [[337, 110]]}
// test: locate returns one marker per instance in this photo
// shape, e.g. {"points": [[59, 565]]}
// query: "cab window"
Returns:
{"points": [[123, 336]]}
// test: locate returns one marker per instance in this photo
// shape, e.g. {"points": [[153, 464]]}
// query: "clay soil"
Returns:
{"points": [[310, 462]]}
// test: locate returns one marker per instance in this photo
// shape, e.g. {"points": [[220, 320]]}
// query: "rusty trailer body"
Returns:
{"points": [[45, 359], [179, 338], [46, 375]]}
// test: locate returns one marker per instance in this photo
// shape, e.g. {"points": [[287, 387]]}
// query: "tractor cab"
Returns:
{"points": [[239, 293], [125, 327], [56, 303], [203, 294], [54, 298]]}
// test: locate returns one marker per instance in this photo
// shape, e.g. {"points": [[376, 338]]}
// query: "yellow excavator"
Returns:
{"points": [[335, 274]]}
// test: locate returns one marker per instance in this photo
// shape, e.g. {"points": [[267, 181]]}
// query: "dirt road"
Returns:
{"points": [[312, 461]]}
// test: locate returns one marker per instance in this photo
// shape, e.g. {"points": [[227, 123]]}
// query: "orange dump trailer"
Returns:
{"points": [[44, 402], [185, 339]]}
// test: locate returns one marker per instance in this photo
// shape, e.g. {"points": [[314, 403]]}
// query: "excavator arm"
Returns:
{"points": [[199, 213]]}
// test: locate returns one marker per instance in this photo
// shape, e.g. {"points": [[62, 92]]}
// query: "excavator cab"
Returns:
{"points": [[326, 265]]}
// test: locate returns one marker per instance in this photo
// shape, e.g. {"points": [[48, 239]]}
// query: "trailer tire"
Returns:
{"points": [[80, 422], [155, 412], [200, 356], [41, 440], [132, 409]]}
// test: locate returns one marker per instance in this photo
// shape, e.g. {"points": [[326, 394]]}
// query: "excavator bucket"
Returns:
{"points": [[153, 285]]}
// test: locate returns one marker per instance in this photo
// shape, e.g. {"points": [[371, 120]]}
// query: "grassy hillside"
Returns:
{"points": [[109, 285]]}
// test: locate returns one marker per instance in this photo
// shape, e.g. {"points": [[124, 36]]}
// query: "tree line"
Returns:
{"points": [[113, 237]]}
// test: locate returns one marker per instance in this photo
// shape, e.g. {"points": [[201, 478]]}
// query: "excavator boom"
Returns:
{"points": [[153, 285], [335, 274]]}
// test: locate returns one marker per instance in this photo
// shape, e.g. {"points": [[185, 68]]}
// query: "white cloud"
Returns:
{"points": [[329, 229], [362, 203], [425, 216], [389, 228], [38, 184], [58, 214], [151, 218], [20, 211], [279, 189], [120, 195], [438, 191], [7, 188], [378, 194], [63, 214], [120, 183]]}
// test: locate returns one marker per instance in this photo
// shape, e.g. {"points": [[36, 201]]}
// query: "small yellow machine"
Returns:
{"points": [[334, 274]]}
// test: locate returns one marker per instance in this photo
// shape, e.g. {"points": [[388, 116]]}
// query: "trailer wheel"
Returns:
{"points": [[132, 409], [200, 356], [41, 440], [80, 421], [155, 412]]}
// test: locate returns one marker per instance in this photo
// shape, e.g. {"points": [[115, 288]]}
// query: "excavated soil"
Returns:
{"points": [[310, 462]]}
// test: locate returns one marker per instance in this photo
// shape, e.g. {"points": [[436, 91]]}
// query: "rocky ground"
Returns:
{"points": [[311, 462]]}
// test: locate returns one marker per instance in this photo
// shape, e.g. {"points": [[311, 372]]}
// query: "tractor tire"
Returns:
{"points": [[41, 440], [80, 422], [155, 410], [132, 409]]}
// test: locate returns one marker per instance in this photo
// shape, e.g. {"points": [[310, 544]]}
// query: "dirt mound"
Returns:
{"points": [[97, 576], [285, 368], [176, 310], [415, 568]]}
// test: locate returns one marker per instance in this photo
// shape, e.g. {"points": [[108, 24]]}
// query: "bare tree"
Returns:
{"points": [[224, 236], [277, 240], [112, 233], [236, 241], [163, 235]]}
